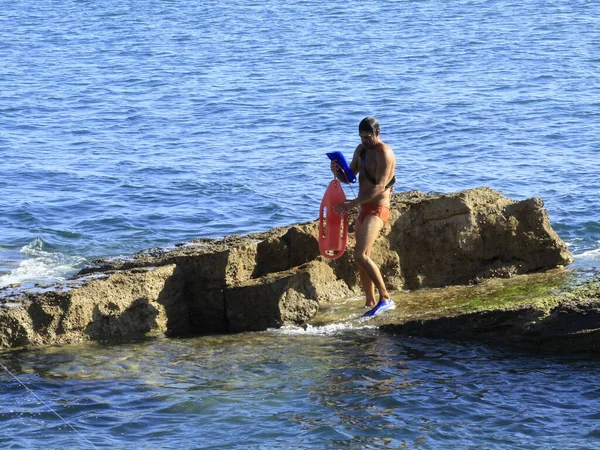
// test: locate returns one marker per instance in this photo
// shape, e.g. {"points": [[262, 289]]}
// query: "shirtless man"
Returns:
{"points": [[375, 163]]}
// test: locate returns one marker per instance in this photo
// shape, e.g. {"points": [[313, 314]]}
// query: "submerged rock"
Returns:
{"points": [[263, 280]]}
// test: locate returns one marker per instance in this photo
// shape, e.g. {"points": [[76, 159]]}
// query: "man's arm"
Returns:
{"points": [[354, 163]]}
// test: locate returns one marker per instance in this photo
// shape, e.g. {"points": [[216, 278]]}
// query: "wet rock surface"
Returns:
{"points": [[262, 280], [555, 321]]}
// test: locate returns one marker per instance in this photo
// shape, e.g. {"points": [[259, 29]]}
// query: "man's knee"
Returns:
{"points": [[361, 257]]}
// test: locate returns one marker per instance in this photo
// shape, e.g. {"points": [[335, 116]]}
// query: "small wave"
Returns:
{"points": [[42, 266], [589, 259], [323, 330], [591, 254]]}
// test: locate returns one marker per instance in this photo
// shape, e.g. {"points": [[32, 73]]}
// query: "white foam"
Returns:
{"points": [[590, 254], [324, 330], [42, 265], [588, 259]]}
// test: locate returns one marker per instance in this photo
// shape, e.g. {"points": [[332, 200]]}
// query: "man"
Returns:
{"points": [[375, 163]]}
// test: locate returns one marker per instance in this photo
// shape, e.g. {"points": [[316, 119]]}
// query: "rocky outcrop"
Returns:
{"points": [[117, 305], [253, 282], [456, 239]]}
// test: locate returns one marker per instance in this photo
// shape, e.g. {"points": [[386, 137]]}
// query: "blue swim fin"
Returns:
{"points": [[380, 307]]}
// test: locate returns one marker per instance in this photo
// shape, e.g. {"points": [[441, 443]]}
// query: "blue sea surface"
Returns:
{"points": [[133, 124]]}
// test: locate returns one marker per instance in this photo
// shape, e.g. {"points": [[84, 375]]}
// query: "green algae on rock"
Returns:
{"points": [[548, 312]]}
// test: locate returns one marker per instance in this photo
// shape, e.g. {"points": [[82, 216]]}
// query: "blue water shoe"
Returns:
{"points": [[380, 307]]}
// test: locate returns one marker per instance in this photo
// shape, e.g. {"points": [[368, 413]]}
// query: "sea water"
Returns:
{"points": [[319, 388], [126, 125]]}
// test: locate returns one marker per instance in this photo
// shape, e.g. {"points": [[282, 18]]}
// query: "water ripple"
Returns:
{"points": [[321, 391]]}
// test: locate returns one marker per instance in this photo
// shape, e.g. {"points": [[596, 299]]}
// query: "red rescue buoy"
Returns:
{"points": [[333, 227]]}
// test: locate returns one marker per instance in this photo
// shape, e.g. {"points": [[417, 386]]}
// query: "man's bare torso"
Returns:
{"points": [[380, 153]]}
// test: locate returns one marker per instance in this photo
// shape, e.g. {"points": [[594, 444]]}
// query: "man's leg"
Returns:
{"points": [[366, 282], [368, 287], [366, 234]]}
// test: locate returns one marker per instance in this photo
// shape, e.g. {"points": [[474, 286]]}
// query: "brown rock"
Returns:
{"points": [[118, 305], [269, 279], [456, 238], [292, 296]]}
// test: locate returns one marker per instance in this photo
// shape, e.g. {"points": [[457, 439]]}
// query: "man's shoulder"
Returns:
{"points": [[385, 154], [383, 148]]}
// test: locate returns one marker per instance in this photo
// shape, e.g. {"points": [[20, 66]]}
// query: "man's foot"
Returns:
{"points": [[380, 307]]}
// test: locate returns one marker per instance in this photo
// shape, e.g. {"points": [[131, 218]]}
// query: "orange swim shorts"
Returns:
{"points": [[367, 209]]}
